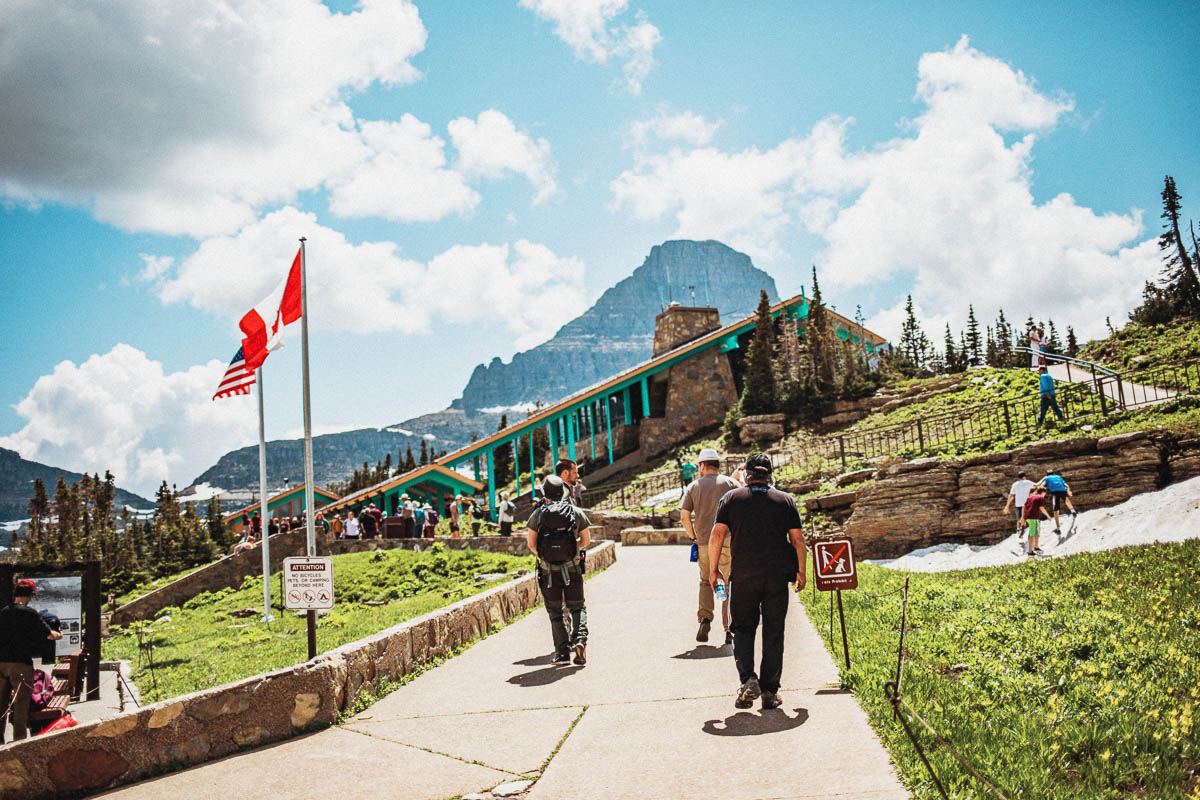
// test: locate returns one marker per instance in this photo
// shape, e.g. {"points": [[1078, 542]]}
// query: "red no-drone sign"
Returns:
{"points": [[833, 564]]}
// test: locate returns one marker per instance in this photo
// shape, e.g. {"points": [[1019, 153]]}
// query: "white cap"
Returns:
{"points": [[708, 454]]}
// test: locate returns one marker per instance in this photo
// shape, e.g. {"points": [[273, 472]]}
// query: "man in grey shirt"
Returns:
{"points": [[698, 512]]}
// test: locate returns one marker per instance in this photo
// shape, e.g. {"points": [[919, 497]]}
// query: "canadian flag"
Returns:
{"points": [[263, 325]]}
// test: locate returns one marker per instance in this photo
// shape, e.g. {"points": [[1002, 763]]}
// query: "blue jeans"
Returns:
{"points": [[1049, 401]]}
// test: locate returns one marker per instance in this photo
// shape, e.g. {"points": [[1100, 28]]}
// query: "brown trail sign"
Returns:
{"points": [[834, 570]]}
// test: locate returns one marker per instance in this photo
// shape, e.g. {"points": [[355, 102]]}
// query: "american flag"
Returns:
{"points": [[237, 380]]}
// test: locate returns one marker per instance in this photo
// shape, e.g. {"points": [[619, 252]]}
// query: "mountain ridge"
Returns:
{"points": [[614, 334], [17, 475]]}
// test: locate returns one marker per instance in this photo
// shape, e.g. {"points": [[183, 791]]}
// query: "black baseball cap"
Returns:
{"points": [[759, 465]]}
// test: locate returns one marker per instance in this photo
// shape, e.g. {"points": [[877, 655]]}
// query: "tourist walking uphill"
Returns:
{"points": [[768, 552], [557, 532], [698, 512], [1049, 401], [23, 634]]}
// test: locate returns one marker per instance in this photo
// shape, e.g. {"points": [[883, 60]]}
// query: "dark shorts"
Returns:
{"points": [[1059, 501]]}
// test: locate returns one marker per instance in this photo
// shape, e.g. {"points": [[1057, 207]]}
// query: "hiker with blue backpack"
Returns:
{"points": [[557, 534], [1060, 493]]}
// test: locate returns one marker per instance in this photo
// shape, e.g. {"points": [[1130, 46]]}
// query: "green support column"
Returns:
{"points": [[552, 432], [475, 463], [532, 467], [628, 412], [491, 469], [608, 427], [591, 412], [516, 462], [572, 432], [645, 398]]}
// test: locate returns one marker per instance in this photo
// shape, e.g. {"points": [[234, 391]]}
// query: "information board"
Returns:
{"points": [[62, 597], [308, 583], [833, 564]]}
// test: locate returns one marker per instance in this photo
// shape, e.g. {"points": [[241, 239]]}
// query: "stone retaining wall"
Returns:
{"points": [[929, 501], [275, 705], [646, 535], [493, 543]]}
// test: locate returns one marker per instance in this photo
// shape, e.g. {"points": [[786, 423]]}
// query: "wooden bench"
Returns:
{"points": [[67, 670], [64, 675]]}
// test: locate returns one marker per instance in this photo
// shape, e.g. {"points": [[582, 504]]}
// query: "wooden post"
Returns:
{"points": [[91, 627]]}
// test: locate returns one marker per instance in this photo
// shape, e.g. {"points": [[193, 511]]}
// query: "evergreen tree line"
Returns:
{"points": [[794, 366], [992, 346], [80, 523], [369, 476], [1177, 292]]}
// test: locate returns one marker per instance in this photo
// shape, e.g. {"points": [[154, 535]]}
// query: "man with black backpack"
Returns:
{"points": [[23, 634], [557, 532]]}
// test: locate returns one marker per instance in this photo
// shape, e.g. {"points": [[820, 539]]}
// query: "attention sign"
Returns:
{"points": [[308, 583], [833, 564]]}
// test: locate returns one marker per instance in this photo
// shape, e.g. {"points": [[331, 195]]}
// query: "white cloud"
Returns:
{"points": [[950, 204], [370, 287], [186, 117], [404, 177], [584, 26], [687, 127], [492, 146], [122, 411], [154, 267]]}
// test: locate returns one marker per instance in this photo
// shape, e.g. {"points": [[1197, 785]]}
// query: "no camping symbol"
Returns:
{"points": [[833, 564]]}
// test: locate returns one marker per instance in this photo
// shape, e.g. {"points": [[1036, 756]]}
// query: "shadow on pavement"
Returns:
{"points": [[706, 651], [536, 661], [833, 691], [745, 723], [542, 677]]}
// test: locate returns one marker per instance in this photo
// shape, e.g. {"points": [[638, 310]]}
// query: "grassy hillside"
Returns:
{"points": [[373, 591], [1144, 346], [1067, 678]]}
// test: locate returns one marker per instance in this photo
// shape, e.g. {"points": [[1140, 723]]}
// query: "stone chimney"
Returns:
{"points": [[681, 324]]}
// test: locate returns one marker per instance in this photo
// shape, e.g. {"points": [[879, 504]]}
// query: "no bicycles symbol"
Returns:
{"points": [[833, 564]]}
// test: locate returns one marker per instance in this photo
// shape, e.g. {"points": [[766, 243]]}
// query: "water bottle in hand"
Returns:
{"points": [[719, 592]]}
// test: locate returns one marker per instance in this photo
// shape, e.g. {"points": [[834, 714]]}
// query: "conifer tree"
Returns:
{"points": [[1072, 343], [818, 342], [914, 344], [758, 389], [424, 459], [409, 462], [1179, 273], [1004, 351], [950, 352], [974, 342], [1053, 343], [990, 356]]}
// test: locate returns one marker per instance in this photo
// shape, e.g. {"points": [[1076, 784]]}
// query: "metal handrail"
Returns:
{"points": [[1092, 365]]}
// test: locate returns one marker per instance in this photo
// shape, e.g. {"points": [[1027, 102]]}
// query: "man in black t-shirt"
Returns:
{"points": [[767, 552], [23, 633]]}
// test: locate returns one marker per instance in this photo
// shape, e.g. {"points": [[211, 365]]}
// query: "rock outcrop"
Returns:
{"points": [[618, 331], [929, 501]]}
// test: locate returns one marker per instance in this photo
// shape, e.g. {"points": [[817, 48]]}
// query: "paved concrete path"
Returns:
{"points": [[1133, 394], [650, 716]]}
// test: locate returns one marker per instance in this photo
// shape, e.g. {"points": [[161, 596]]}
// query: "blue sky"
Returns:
{"points": [[470, 176]]}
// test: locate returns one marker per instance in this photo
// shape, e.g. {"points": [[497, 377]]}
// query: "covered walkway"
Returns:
{"points": [[592, 422]]}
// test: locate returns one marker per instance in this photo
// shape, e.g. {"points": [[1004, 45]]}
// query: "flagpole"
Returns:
{"points": [[265, 543], [309, 514]]}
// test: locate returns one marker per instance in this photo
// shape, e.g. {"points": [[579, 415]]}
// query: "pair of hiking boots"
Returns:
{"points": [[750, 691], [705, 627], [564, 656]]}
